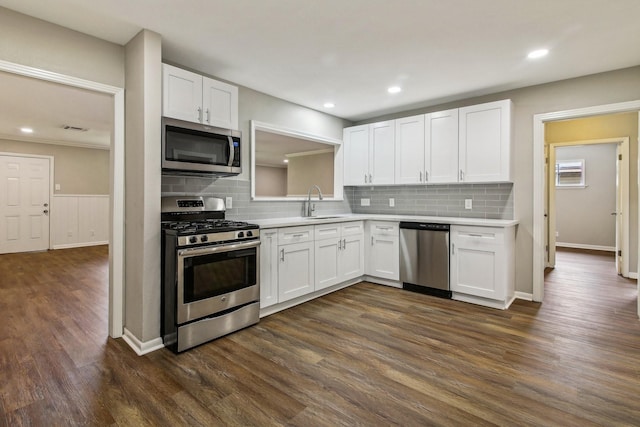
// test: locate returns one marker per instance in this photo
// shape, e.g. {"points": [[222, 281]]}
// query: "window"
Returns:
{"points": [[570, 173]]}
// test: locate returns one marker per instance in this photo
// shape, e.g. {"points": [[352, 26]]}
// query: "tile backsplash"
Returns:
{"points": [[491, 201]]}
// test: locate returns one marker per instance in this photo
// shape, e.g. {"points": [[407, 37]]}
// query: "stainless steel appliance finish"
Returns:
{"points": [[197, 149], [424, 258], [210, 272]]}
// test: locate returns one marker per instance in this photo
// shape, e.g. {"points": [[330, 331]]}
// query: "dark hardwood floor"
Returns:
{"points": [[367, 355]]}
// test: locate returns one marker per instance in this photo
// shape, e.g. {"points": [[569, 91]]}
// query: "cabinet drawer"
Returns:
{"points": [[478, 237], [295, 234], [352, 228], [384, 228], [326, 231]]}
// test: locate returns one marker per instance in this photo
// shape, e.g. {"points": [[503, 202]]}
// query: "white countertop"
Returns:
{"points": [[325, 219]]}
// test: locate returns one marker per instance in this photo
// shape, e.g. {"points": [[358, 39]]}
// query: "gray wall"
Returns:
{"points": [[40, 44], [142, 181], [599, 89], [77, 170], [583, 214]]}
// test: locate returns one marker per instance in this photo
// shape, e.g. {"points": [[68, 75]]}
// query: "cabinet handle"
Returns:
{"points": [[370, 180], [365, 178], [298, 235], [453, 249], [344, 243], [461, 175], [426, 176], [420, 176], [208, 116], [282, 255], [339, 245], [371, 240], [200, 114]]}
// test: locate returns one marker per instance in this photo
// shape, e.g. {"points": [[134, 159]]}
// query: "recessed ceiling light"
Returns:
{"points": [[26, 130], [329, 105], [394, 89], [286, 160], [538, 53]]}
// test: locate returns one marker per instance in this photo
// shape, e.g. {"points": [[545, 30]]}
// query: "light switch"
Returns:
{"points": [[229, 202], [57, 187], [365, 202], [392, 202]]}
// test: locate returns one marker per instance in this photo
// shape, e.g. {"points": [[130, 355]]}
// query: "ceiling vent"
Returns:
{"points": [[74, 128]]}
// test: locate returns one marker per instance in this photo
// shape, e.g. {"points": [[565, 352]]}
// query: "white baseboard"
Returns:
{"points": [[633, 275], [141, 348], [589, 247], [80, 245], [524, 296]]}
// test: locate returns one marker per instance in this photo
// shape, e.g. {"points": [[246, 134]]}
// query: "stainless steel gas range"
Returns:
{"points": [[210, 272]]}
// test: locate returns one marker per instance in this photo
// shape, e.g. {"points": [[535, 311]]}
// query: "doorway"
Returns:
{"points": [[539, 120], [24, 203], [594, 181], [116, 168]]}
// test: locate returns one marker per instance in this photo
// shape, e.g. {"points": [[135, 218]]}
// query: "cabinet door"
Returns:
{"points": [[485, 142], [220, 104], [382, 153], [384, 257], [441, 142], [295, 270], [181, 94], [351, 257], [410, 146], [477, 262], [268, 268], [327, 254], [356, 155]]}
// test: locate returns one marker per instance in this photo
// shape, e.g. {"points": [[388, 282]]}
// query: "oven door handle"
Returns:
{"points": [[184, 253]]}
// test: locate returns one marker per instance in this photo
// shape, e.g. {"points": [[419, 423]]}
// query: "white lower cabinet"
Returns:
{"points": [[383, 255], [268, 267], [482, 265], [295, 262], [339, 253]]}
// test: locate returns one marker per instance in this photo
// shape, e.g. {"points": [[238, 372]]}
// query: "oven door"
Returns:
{"points": [[213, 279]]}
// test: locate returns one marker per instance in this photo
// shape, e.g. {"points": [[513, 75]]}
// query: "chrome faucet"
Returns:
{"points": [[311, 208]]}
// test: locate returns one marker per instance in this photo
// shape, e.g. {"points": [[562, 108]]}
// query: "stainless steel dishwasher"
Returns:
{"points": [[424, 258]]}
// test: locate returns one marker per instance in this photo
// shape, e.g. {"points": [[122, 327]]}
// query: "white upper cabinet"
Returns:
{"points": [[195, 98], [369, 152], [441, 146], [356, 155], [410, 149], [485, 142]]}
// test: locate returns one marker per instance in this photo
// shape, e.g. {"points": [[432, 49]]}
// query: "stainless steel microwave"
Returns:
{"points": [[197, 149]]}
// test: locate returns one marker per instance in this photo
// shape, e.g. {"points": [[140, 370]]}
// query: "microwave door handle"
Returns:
{"points": [[232, 152]]}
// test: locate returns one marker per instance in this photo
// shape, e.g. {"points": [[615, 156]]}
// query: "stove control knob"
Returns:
{"points": [[204, 238], [193, 239], [240, 234], [249, 233]]}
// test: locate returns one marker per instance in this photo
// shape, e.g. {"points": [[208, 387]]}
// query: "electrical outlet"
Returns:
{"points": [[365, 202], [392, 202], [557, 234], [468, 203], [229, 202], [57, 187]]}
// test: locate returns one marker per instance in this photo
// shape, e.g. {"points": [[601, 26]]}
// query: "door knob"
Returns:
{"points": [[46, 204], [46, 211], [614, 213]]}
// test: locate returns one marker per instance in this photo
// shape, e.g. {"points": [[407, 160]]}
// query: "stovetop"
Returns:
{"points": [[207, 226]]}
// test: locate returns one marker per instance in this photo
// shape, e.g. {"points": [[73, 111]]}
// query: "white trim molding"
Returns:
{"points": [[116, 237], [141, 348], [523, 296], [587, 247]]}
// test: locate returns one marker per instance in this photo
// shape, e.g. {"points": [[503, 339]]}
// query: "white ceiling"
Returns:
{"points": [[349, 51]]}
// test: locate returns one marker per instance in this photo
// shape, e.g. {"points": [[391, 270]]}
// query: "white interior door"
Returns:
{"points": [[620, 184], [24, 204]]}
